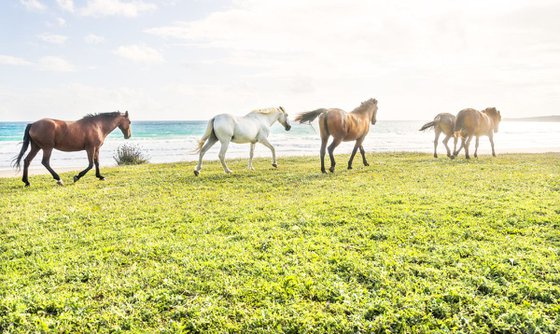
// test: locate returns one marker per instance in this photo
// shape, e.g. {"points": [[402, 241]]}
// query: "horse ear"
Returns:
{"points": [[126, 114]]}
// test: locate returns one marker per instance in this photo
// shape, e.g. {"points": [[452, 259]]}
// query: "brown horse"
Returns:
{"points": [[342, 126], [87, 134], [476, 123], [445, 123]]}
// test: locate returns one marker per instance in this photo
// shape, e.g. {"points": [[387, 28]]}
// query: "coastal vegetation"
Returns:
{"points": [[130, 154], [410, 243]]}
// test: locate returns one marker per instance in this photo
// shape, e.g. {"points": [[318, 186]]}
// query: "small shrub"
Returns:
{"points": [[130, 155]]}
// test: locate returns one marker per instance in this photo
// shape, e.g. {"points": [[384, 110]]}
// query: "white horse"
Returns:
{"points": [[251, 128]]}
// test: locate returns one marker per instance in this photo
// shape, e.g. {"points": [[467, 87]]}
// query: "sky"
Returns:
{"points": [[192, 59]]}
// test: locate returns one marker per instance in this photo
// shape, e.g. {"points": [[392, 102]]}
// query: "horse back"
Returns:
{"points": [[345, 126], [58, 134]]}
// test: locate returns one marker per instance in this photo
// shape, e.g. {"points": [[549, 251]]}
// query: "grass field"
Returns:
{"points": [[409, 244]]}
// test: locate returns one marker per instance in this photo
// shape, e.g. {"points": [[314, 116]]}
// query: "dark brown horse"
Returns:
{"points": [[343, 126], [87, 134], [473, 123], [445, 123]]}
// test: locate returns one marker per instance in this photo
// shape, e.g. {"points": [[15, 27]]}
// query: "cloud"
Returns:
{"points": [[55, 64], [139, 53], [33, 5], [67, 5], [100, 8], [94, 39], [10, 60], [53, 38]]}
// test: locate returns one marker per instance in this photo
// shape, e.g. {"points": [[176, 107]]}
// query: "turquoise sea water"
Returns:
{"points": [[170, 141]]}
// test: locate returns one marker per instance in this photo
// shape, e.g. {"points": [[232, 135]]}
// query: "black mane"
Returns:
{"points": [[103, 115]]}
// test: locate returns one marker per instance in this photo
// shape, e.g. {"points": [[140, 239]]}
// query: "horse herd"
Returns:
{"points": [[90, 132]]}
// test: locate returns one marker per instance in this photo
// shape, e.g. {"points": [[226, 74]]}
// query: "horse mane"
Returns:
{"points": [[102, 115], [264, 111], [364, 106]]}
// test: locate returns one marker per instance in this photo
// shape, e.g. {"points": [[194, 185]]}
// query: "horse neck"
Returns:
{"points": [[366, 114], [269, 118], [107, 125]]}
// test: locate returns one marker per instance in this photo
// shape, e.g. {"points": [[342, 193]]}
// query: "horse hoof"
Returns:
{"points": [[196, 173], [452, 157], [102, 178], [349, 167], [27, 185], [435, 155], [76, 178], [331, 169], [275, 165], [60, 183], [323, 171], [228, 171], [366, 164]]}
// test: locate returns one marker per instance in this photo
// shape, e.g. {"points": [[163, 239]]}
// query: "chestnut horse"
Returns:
{"points": [[342, 126], [87, 134], [445, 123], [476, 123]]}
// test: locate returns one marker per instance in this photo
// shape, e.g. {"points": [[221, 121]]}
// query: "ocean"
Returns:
{"points": [[172, 141]]}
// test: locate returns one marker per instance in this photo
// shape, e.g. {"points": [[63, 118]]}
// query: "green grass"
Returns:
{"points": [[410, 243]]}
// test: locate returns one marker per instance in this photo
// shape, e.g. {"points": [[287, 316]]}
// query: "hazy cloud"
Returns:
{"points": [[100, 8], [53, 38], [10, 60], [67, 5], [33, 5], [139, 53], [55, 64], [94, 39]]}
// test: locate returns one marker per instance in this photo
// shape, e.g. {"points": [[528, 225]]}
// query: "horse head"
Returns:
{"points": [[124, 125], [374, 110], [283, 119], [495, 116]]}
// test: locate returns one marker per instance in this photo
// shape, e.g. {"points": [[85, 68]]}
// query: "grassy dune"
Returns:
{"points": [[410, 243]]}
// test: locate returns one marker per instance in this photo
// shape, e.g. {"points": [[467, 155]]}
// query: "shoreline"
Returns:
{"points": [[40, 170]]}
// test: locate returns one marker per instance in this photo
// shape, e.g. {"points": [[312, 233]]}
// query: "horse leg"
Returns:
{"points": [[209, 143], [445, 140], [251, 153], [27, 161], [354, 150], [90, 153], [436, 142], [332, 146], [46, 162], [222, 155], [466, 145], [491, 137], [476, 147], [363, 153], [266, 143], [456, 152], [96, 162], [455, 138], [322, 154]]}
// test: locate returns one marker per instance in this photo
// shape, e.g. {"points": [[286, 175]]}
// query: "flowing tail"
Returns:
{"points": [[427, 126], [26, 140], [309, 116], [209, 132]]}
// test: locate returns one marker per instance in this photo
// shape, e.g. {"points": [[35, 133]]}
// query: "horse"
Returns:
{"points": [[252, 128], [471, 122], [342, 126], [87, 134], [445, 123]]}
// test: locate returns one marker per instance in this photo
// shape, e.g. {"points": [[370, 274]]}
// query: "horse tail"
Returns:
{"points": [[309, 116], [427, 126], [16, 162], [209, 132]]}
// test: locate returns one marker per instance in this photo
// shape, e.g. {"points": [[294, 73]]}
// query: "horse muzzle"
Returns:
{"points": [[288, 127]]}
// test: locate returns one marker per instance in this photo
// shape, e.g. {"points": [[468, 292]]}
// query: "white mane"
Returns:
{"points": [[264, 111]]}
